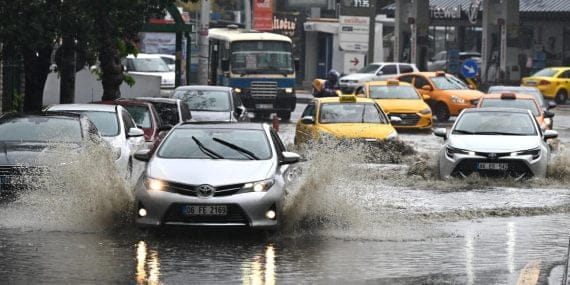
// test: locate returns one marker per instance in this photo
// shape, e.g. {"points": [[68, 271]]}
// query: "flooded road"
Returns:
{"points": [[349, 221]]}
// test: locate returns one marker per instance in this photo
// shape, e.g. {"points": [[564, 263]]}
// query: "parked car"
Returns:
{"points": [[182, 184], [27, 137], [399, 99], [494, 142], [169, 59], [212, 103], [448, 95], [553, 82], [439, 61], [515, 100], [145, 116], [116, 126], [344, 117], [171, 111], [150, 64], [374, 71]]}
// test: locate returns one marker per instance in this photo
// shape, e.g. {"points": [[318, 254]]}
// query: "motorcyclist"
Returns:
{"points": [[331, 84]]}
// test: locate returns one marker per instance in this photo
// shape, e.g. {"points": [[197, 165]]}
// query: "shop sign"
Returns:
{"points": [[354, 33], [263, 15], [454, 12]]}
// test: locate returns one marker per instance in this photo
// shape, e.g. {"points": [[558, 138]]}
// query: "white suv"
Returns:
{"points": [[375, 71]]}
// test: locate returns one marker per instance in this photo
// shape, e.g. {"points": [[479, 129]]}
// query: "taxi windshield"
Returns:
{"points": [[448, 83], [335, 113], [517, 103], [393, 92]]}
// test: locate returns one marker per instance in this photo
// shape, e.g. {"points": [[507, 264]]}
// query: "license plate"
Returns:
{"points": [[263, 106], [205, 210], [493, 166]]}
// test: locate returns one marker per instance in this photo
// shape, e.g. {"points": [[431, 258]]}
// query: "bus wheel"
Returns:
{"points": [[285, 116]]}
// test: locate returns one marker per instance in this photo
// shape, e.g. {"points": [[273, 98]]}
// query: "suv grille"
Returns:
{"points": [[264, 89]]}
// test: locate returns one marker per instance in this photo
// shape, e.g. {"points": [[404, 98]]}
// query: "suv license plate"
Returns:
{"points": [[205, 210], [492, 166], [263, 106]]}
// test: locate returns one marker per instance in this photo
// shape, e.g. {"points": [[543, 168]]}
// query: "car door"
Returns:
{"points": [[420, 82], [305, 132]]}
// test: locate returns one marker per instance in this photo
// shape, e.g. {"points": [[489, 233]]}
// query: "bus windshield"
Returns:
{"points": [[261, 57]]}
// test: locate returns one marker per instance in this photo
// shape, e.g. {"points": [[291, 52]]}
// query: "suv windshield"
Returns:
{"points": [[205, 100]]}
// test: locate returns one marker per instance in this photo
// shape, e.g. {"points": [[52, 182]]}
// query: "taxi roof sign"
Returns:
{"points": [[508, 95], [347, 98], [393, 82]]}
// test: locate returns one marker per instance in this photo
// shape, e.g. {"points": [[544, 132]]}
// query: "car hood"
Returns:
{"points": [[355, 131], [491, 143], [465, 94], [29, 153], [358, 76], [211, 116], [401, 105], [215, 172]]}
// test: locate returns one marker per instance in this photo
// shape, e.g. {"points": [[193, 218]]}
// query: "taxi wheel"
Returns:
{"points": [[441, 112], [561, 97]]}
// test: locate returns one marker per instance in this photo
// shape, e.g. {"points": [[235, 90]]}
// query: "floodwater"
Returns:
{"points": [[349, 220]]}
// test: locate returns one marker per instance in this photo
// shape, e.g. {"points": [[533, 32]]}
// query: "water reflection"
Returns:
{"points": [[469, 253], [152, 264], [511, 242], [261, 269]]}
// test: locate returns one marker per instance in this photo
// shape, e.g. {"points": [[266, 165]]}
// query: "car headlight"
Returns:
{"points": [[425, 111], [450, 151], [289, 90], [392, 136], [457, 100], [237, 90], [259, 186], [154, 184], [535, 153]]}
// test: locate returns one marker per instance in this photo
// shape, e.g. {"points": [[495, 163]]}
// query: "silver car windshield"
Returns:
{"points": [[40, 129], [495, 123], [232, 144]]}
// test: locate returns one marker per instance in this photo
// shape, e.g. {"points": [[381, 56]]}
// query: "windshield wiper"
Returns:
{"points": [[463, 132], [499, 133], [239, 149], [206, 150]]}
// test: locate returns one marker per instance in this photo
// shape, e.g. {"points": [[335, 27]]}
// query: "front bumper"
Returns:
{"points": [[413, 121], [280, 102], [243, 210]]}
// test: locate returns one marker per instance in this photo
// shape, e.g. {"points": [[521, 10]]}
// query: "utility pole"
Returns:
{"points": [[247, 9], [203, 58]]}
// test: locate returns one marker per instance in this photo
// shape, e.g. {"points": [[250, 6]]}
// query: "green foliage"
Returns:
{"points": [[129, 80], [17, 102]]}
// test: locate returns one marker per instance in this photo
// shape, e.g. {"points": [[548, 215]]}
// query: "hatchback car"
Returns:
{"points": [[399, 99], [344, 117], [375, 71], [448, 95], [116, 126], [27, 136], [553, 82], [494, 142], [215, 175], [515, 100], [212, 103]]}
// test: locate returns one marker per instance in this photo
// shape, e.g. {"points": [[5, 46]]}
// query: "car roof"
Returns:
{"points": [[126, 102], [425, 73], [337, 100], [221, 125], [391, 62], [84, 107], [385, 83], [144, 55], [203, 87], [156, 99], [55, 114], [508, 87], [496, 109], [517, 96]]}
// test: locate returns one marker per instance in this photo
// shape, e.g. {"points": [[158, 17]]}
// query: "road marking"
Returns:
{"points": [[529, 274]]}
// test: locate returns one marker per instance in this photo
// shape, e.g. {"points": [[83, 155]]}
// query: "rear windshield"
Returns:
{"points": [[40, 129], [393, 92], [518, 103]]}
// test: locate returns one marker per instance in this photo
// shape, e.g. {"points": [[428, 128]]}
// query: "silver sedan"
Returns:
{"points": [[215, 175], [494, 142]]}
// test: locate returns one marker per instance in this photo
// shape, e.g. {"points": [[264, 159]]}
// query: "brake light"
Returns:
{"points": [[544, 82]]}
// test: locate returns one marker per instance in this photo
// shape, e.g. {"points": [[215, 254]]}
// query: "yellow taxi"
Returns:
{"points": [[346, 116], [448, 95], [519, 101], [399, 99], [553, 83]]}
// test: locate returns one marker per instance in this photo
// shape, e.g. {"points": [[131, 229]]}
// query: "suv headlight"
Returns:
{"points": [[154, 184], [457, 100], [450, 151], [258, 186], [535, 153]]}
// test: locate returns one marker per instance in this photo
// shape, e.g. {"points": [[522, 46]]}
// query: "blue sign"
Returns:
{"points": [[469, 69]]}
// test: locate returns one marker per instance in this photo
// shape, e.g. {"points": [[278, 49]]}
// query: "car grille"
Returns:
{"points": [[263, 89], [235, 216], [190, 190], [408, 119], [516, 168]]}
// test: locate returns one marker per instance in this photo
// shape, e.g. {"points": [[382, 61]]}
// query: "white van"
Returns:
{"points": [[150, 64]]}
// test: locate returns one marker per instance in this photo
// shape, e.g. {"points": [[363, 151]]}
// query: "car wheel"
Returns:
{"points": [[441, 112], [285, 116], [561, 97]]}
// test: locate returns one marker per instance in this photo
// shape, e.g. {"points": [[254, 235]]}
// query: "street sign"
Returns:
{"points": [[353, 33], [353, 62], [469, 69]]}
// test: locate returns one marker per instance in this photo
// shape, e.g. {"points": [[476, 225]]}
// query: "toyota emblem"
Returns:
{"points": [[492, 155], [205, 191]]}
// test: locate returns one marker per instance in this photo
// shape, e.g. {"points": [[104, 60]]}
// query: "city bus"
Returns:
{"points": [[258, 65]]}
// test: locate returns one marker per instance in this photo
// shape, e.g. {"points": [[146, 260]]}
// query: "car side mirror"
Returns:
{"points": [[395, 119], [550, 134], [548, 114], [440, 132], [135, 132], [308, 120], [426, 97], [427, 88], [143, 155], [551, 104], [380, 72], [290, 157]]}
